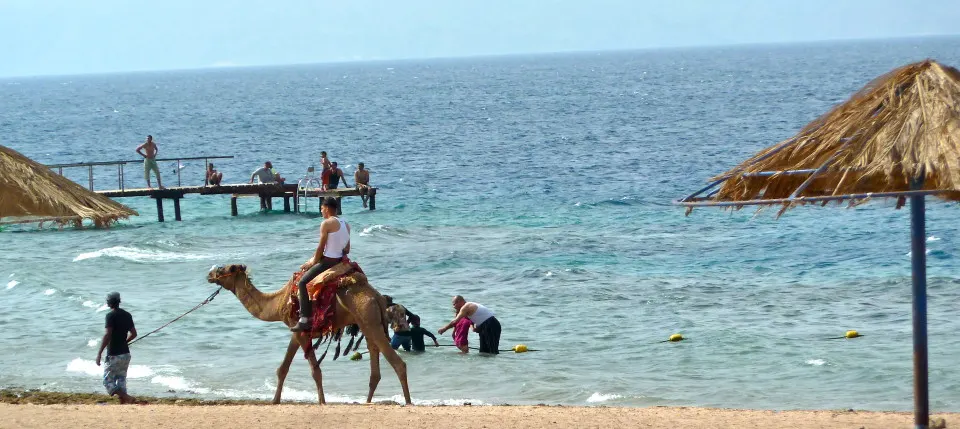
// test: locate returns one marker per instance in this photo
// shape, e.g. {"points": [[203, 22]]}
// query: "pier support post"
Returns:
{"points": [[159, 209], [233, 205], [372, 200], [176, 209], [296, 203], [286, 204], [339, 205]]}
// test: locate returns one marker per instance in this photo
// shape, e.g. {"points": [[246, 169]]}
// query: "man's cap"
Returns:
{"points": [[113, 297]]}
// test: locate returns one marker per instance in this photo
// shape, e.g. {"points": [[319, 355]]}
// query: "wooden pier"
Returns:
{"points": [[265, 191]]}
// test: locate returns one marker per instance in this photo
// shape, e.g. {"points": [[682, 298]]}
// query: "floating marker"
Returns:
{"points": [[852, 334], [675, 337], [520, 348], [356, 356]]}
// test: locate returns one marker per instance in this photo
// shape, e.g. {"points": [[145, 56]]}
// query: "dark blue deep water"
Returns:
{"points": [[540, 186]]}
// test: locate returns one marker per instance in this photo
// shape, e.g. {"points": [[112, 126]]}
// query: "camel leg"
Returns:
{"points": [[374, 370], [285, 367], [379, 341], [314, 368]]}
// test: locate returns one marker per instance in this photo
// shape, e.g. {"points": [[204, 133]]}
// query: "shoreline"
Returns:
{"points": [[35, 409]]}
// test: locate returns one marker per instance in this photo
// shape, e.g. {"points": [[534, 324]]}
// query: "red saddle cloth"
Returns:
{"points": [[323, 297]]}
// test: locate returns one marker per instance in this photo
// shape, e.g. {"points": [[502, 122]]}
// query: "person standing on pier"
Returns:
{"points": [[361, 178], [325, 166], [148, 150]]}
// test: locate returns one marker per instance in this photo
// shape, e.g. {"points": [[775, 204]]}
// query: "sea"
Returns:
{"points": [[541, 186]]}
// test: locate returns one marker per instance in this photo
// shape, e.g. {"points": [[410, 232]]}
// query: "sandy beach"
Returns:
{"points": [[378, 416]]}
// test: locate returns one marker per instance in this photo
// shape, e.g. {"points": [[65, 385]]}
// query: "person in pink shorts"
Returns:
{"points": [[460, 333]]}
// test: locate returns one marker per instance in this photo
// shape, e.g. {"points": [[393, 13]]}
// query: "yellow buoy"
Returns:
{"points": [[520, 348], [676, 337], [852, 334]]}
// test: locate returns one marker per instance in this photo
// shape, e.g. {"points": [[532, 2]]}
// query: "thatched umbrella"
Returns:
{"points": [[29, 191], [897, 137]]}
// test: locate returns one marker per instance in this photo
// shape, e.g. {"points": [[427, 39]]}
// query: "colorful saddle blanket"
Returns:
{"points": [[323, 295]]}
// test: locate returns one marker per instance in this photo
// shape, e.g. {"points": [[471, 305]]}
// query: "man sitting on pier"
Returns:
{"points": [[214, 177], [362, 179], [336, 175], [149, 160], [265, 174]]}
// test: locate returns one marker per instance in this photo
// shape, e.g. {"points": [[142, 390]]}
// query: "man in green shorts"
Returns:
{"points": [[148, 151]]}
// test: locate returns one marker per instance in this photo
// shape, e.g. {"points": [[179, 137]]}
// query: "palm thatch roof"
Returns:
{"points": [[31, 191], [903, 125]]}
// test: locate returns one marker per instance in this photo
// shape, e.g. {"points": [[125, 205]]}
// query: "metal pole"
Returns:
{"points": [[918, 251], [206, 168], [90, 174], [121, 177], [178, 173]]}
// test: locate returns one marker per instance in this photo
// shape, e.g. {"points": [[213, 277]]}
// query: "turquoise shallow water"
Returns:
{"points": [[539, 186]]}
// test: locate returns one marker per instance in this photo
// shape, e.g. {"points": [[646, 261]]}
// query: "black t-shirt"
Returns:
{"points": [[416, 337], [122, 323]]}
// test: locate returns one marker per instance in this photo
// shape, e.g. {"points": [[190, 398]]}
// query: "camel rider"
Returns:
{"points": [[334, 246]]}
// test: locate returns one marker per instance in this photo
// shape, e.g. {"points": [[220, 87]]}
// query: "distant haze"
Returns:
{"points": [[69, 37]]}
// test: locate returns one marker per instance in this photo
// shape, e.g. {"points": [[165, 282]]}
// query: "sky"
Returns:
{"points": [[65, 37]]}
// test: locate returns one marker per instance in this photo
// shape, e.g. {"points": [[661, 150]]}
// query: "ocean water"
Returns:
{"points": [[540, 186]]}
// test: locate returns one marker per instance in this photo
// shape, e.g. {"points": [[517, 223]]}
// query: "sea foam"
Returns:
{"points": [[139, 255], [597, 397]]}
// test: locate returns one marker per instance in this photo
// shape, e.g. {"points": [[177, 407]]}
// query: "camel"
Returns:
{"points": [[357, 303]]}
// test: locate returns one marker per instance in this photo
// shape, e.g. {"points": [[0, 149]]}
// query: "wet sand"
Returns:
{"points": [[98, 416]]}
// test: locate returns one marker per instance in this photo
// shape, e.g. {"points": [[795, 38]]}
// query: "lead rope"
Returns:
{"points": [[205, 302]]}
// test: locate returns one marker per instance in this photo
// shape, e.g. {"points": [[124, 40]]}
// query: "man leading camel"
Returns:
{"points": [[483, 320], [334, 245]]}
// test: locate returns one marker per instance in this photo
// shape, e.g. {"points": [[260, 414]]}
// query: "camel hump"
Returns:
{"points": [[333, 273]]}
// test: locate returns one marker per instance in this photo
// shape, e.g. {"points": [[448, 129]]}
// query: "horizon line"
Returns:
{"points": [[226, 64]]}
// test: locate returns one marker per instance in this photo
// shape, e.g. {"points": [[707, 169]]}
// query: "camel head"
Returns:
{"points": [[227, 276]]}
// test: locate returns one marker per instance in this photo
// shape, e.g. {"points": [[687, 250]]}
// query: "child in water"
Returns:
{"points": [[460, 332]]}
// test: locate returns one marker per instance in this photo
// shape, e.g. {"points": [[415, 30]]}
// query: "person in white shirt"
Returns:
{"points": [[484, 323], [334, 247]]}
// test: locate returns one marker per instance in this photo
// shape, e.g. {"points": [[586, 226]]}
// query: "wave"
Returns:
{"points": [[98, 307], [12, 284], [816, 362], [89, 367], [168, 376], [139, 255], [598, 397], [381, 230], [176, 382]]}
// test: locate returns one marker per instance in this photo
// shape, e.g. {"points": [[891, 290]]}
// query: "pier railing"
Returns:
{"points": [[120, 170]]}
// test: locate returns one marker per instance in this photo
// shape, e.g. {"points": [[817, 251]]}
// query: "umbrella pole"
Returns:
{"points": [[918, 251]]}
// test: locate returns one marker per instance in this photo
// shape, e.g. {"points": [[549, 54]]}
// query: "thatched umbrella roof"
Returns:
{"points": [[30, 190], [897, 137], [902, 125]]}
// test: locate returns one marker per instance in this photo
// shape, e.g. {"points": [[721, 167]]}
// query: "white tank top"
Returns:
{"points": [[336, 241], [481, 315]]}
